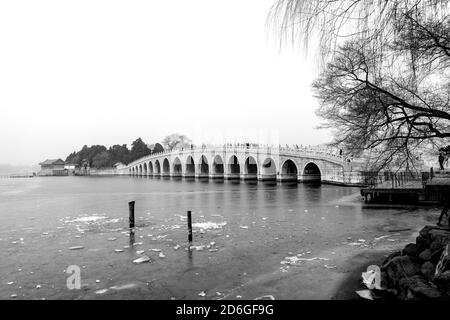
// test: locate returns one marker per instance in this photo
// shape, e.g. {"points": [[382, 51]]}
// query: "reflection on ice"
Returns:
{"points": [[76, 248], [93, 218], [295, 259], [209, 225], [118, 288], [142, 259]]}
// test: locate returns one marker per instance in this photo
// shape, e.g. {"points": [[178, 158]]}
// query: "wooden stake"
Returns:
{"points": [[131, 213], [189, 221]]}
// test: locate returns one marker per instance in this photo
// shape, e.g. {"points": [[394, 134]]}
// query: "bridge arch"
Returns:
{"points": [[311, 173], [140, 170], [203, 167], [268, 170], [177, 170], [218, 167], [157, 168], [234, 168], [190, 167], [144, 169], [150, 168], [166, 167], [251, 168], [289, 171], [132, 171]]}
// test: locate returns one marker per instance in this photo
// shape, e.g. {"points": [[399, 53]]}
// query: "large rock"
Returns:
{"points": [[428, 270], [436, 256], [421, 244], [384, 280], [425, 255], [443, 281], [440, 235], [425, 232], [430, 233], [389, 258], [410, 250], [443, 263], [436, 245], [418, 287], [401, 267]]}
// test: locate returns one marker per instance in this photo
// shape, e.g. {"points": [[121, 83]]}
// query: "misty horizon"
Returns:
{"points": [[147, 70]]}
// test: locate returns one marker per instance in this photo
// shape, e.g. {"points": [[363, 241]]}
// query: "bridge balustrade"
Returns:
{"points": [[320, 153]]}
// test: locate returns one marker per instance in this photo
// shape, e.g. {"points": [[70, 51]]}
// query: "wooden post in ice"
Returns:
{"points": [[189, 222], [131, 213]]}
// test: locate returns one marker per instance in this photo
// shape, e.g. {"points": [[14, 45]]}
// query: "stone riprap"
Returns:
{"points": [[420, 270]]}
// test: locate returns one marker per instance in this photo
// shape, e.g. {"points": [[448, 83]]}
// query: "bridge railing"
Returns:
{"points": [[394, 180], [315, 152]]}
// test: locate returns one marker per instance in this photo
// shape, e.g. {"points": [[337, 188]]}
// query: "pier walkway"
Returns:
{"points": [[408, 187]]}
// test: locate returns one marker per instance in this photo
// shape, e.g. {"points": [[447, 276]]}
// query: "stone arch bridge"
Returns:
{"points": [[243, 162]]}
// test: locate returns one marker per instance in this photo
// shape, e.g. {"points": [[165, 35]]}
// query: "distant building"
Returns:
{"points": [[53, 167], [70, 167], [118, 165]]}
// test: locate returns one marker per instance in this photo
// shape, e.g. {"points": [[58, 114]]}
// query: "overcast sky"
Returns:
{"points": [[106, 72]]}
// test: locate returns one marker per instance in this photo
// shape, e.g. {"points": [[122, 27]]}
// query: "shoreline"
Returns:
{"points": [[416, 271], [353, 283]]}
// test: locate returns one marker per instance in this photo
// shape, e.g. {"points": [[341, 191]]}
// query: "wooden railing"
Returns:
{"points": [[398, 179]]}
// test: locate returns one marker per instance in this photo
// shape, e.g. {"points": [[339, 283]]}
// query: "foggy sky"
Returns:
{"points": [[106, 72]]}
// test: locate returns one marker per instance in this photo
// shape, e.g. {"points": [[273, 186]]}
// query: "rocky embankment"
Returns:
{"points": [[421, 270]]}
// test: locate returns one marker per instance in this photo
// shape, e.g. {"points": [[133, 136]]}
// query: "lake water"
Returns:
{"points": [[292, 241]]}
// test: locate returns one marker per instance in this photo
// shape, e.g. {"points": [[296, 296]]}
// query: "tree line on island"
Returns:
{"points": [[99, 156]]}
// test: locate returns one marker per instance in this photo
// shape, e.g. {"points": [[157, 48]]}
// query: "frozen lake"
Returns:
{"points": [[292, 241]]}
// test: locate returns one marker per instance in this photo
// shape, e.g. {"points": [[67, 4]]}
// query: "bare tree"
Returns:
{"points": [[386, 85], [175, 140], [334, 21]]}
